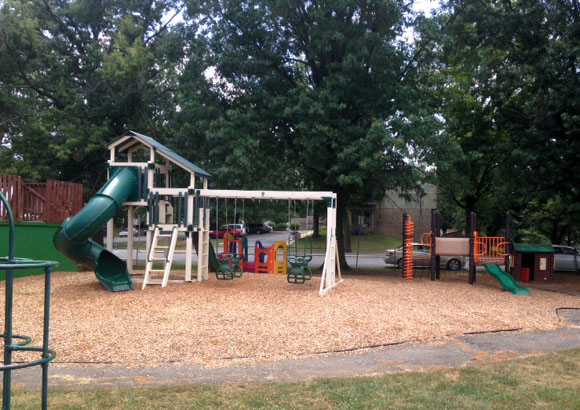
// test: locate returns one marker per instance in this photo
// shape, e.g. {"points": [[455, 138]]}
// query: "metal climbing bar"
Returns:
{"points": [[9, 265]]}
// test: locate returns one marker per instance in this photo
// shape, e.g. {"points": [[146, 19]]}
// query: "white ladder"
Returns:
{"points": [[203, 255], [167, 258]]}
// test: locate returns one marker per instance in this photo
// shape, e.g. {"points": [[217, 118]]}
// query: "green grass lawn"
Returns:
{"points": [[372, 243], [545, 382]]}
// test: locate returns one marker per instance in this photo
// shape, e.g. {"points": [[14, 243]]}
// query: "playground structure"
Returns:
{"points": [[9, 265], [267, 259], [487, 251], [141, 175]]}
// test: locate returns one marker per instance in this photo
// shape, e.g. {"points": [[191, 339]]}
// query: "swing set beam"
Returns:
{"points": [[268, 195]]}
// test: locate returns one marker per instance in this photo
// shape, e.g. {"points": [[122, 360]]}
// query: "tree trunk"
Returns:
{"points": [[340, 211], [316, 222], [346, 231]]}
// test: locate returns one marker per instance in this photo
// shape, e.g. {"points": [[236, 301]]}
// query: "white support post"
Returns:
{"points": [[110, 235], [200, 236], [167, 170], [206, 229], [328, 280], [150, 177], [130, 237], [189, 239], [188, 255], [148, 239]]}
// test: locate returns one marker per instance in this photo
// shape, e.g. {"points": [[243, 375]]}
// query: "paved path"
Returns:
{"points": [[461, 351]]}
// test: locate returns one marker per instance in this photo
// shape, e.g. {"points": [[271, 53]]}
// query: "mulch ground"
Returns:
{"points": [[263, 318]]}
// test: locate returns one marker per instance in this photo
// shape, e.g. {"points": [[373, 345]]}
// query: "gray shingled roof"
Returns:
{"points": [[167, 152]]}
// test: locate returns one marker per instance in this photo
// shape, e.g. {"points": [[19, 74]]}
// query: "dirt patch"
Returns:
{"points": [[263, 318]]}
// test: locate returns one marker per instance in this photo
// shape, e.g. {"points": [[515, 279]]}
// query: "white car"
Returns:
{"points": [[125, 233], [566, 258]]}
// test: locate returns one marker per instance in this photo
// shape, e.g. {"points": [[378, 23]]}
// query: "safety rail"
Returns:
{"points": [[487, 249], [428, 235]]}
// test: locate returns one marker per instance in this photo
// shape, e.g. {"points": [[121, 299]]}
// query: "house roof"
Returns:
{"points": [[144, 140], [532, 248]]}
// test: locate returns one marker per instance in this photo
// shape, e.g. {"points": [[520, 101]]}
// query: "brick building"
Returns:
{"points": [[386, 217]]}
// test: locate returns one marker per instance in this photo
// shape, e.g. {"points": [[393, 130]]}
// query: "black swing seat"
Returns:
{"points": [[299, 270], [229, 266]]}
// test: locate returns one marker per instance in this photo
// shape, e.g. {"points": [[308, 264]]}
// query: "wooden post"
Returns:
{"points": [[508, 238], [438, 257], [434, 235], [472, 228], [405, 217]]}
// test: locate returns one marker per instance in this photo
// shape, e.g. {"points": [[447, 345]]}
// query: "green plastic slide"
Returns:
{"points": [[213, 260], [73, 238], [506, 280]]}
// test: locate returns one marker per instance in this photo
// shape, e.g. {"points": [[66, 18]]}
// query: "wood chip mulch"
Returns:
{"points": [[263, 318]]}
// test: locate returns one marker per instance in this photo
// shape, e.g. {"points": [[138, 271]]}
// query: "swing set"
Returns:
{"points": [[233, 261]]}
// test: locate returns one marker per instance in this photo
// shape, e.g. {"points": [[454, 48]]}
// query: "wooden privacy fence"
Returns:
{"points": [[51, 202]]}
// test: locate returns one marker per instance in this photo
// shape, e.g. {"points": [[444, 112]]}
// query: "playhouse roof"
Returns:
{"points": [[144, 140], [532, 248]]}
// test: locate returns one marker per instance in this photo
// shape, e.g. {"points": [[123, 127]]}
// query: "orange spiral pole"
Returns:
{"points": [[408, 260]]}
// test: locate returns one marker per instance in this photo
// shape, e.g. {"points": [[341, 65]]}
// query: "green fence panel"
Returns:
{"points": [[34, 240]]}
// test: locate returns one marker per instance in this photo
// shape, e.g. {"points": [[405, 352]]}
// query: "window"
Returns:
{"points": [[568, 251]]}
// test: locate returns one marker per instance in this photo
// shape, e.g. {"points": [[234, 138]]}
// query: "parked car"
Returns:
{"points": [[566, 258], [421, 258], [237, 230], [125, 232], [271, 224], [259, 228]]}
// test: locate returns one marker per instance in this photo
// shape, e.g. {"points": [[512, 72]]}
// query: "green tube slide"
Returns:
{"points": [[73, 238]]}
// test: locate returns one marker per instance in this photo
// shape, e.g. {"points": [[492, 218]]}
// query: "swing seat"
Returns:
{"points": [[224, 270], [235, 264], [229, 266], [299, 271]]}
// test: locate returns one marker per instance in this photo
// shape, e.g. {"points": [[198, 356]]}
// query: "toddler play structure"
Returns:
{"points": [[487, 251], [13, 342], [140, 175]]}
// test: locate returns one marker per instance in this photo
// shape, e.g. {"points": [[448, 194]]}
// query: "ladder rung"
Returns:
{"points": [[157, 259], [154, 282], [161, 247], [157, 270]]}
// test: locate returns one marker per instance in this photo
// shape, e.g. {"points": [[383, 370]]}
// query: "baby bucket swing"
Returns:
{"points": [[299, 271]]}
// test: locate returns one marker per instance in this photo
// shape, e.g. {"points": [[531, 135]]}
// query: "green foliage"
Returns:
{"points": [[281, 226], [506, 83], [76, 75], [316, 95], [294, 226]]}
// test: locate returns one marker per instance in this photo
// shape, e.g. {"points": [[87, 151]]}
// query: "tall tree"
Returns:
{"points": [[320, 87], [77, 73], [507, 77]]}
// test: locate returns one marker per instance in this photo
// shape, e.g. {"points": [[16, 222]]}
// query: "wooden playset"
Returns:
{"points": [[141, 175]]}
